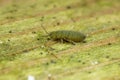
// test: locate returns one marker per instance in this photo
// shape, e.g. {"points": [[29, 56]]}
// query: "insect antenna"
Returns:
{"points": [[56, 56], [44, 29], [48, 34]]}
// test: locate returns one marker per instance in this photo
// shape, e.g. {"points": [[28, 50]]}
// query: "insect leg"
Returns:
{"points": [[61, 40], [74, 43]]}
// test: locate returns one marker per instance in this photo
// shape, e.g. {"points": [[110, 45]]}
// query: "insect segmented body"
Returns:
{"points": [[67, 35]]}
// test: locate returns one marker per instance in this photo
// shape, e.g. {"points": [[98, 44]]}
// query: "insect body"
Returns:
{"points": [[67, 35]]}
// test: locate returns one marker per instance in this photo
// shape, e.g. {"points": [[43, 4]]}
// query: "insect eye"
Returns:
{"points": [[48, 38]]}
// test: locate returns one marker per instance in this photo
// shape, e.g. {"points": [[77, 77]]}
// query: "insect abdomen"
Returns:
{"points": [[68, 35]]}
